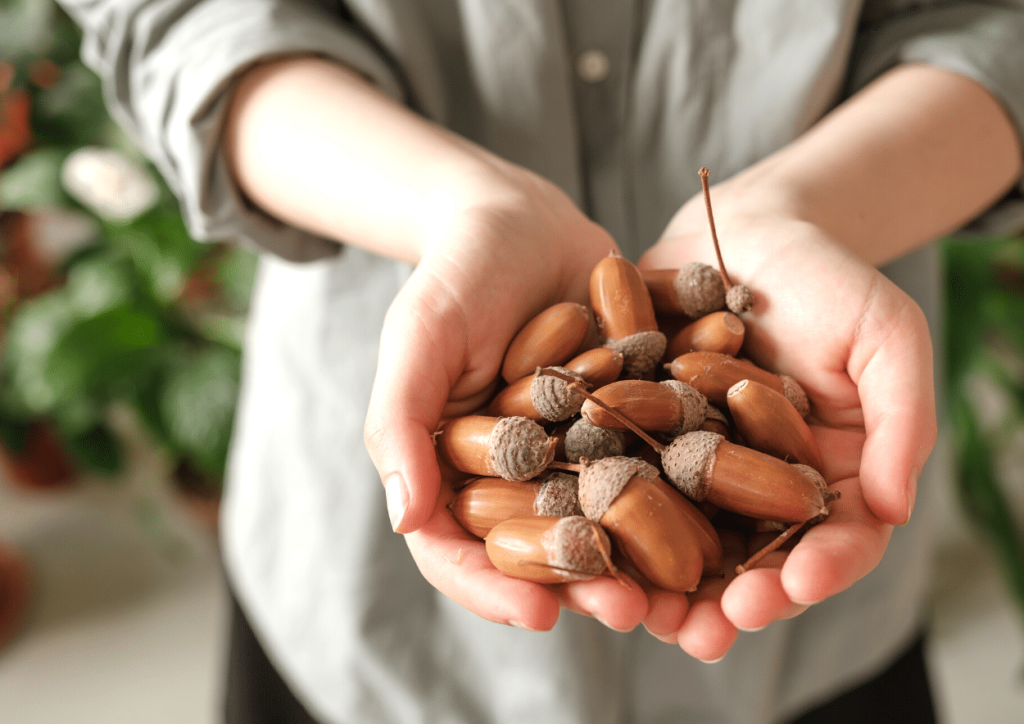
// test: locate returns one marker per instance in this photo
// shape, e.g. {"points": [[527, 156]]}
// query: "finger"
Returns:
{"points": [[407, 402], [457, 565], [836, 553], [756, 598], [706, 633], [891, 362], [619, 605]]}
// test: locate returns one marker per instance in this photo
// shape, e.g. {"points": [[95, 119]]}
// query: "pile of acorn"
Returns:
{"points": [[633, 426]]}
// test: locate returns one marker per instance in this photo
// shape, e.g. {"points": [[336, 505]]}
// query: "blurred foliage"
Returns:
{"points": [[984, 345], [138, 313]]}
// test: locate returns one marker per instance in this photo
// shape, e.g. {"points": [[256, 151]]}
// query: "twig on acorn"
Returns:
{"points": [[738, 298]]}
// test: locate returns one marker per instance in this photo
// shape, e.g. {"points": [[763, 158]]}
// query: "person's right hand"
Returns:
{"points": [[485, 272]]}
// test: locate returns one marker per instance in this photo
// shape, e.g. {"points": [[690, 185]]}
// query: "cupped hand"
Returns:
{"points": [[861, 349], [484, 274]]}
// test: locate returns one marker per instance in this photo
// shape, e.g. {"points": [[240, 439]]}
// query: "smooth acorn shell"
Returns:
{"points": [[620, 300], [649, 405], [550, 338], [485, 502], [513, 448], [598, 367], [721, 332], [655, 534], [713, 373], [770, 423], [548, 549]]}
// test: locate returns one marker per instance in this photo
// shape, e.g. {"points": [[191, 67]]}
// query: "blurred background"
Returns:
{"points": [[120, 340]]}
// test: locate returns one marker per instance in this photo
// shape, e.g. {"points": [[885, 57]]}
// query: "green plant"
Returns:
{"points": [[984, 349], [136, 312]]}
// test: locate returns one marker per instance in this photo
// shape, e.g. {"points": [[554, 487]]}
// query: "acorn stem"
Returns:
{"points": [[711, 221], [604, 406], [779, 540], [606, 554]]}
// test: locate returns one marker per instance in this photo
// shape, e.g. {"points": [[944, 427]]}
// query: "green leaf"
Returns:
{"points": [[33, 180], [161, 250], [197, 406], [236, 275], [71, 112], [98, 354], [98, 449]]}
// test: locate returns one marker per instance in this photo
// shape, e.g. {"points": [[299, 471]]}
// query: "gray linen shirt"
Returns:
{"points": [[332, 592]]}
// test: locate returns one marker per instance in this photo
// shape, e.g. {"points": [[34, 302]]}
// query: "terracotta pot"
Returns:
{"points": [[15, 592], [42, 463]]}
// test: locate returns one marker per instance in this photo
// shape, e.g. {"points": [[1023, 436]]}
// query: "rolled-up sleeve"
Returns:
{"points": [[980, 40], [168, 67]]}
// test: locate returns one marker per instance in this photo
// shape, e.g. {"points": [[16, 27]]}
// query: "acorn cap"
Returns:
{"points": [[739, 299], [693, 404], [700, 289], [552, 396], [519, 448], [575, 543], [558, 496], [688, 461], [586, 440], [602, 480], [641, 352], [796, 395]]}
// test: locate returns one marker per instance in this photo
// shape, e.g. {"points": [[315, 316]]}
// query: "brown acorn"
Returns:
{"points": [[547, 549], [644, 518], [513, 448], [625, 315], [598, 366], [539, 397], [713, 374], [721, 332], [770, 423], [485, 502], [550, 338], [694, 290], [704, 466], [670, 406]]}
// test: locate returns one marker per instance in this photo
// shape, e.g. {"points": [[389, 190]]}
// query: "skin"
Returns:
{"points": [[911, 157]]}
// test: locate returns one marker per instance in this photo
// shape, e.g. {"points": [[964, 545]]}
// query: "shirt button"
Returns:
{"points": [[593, 66]]}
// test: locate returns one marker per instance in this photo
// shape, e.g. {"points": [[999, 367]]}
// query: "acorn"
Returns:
{"points": [[513, 448], [694, 290], [546, 549], [769, 423], [598, 366], [550, 338], [705, 466], [625, 315], [539, 397], [485, 502], [644, 518], [713, 373], [721, 332], [670, 406], [584, 440]]}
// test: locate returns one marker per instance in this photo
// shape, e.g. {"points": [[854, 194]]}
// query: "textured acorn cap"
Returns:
{"points": [[700, 289], [553, 398], [739, 299], [602, 480], [641, 352], [694, 406], [688, 462], [575, 543], [815, 477], [796, 395], [558, 496], [586, 440], [519, 448]]}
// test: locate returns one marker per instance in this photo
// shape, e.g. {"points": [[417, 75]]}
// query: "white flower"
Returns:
{"points": [[109, 183]]}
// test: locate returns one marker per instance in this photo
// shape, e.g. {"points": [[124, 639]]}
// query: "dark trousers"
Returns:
{"points": [[256, 694]]}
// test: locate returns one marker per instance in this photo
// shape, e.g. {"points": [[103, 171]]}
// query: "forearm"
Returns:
{"points": [[912, 157], [313, 144]]}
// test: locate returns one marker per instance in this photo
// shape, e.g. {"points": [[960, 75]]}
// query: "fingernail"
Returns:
{"points": [[711, 661], [752, 630], [397, 498], [607, 625], [521, 625], [911, 493]]}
